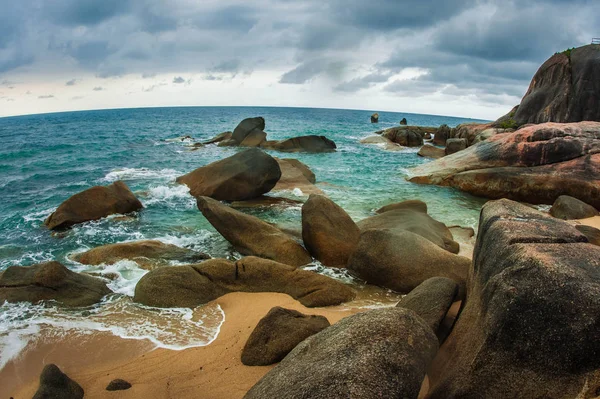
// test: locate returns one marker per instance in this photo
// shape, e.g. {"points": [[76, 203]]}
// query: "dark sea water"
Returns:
{"points": [[44, 159]]}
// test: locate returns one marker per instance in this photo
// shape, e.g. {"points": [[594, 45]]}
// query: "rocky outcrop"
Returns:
{"points": [[375, 118], [530, 325], [409, 216], [245, 175], [591, 233], [471, 132], [93, 204], [455, 145], [415, 205], [567, 208], [431, 300], [535, 164], [406, 136], [404, 122], [249, 130], [50, 281], [566, 88], [193, 285], [295, 174], [381, 353], [251, 236], [329, 234], [55, 384], [277, 334], [401, 260], [148, 254], [430, 151], [312, 144], [441, 135], [218, 138]]}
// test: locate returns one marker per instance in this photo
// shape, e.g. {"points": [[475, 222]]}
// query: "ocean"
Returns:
{"points": [[44, 159]]}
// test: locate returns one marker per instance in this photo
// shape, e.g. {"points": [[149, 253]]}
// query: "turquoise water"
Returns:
{"points": [[44, 159]]}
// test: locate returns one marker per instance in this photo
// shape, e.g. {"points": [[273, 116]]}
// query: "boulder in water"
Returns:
{"points": [[455, 145], [218, 138], [404, 122], [312, 144], [93, 204], [567, 208], [50, 281], [54, 384], [296, 175], [405, 136], [276, 334], [245, 175], [441, 135], [375, 118], [247, 127]]}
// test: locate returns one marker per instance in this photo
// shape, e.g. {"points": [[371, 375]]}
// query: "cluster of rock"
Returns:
{"points": [[250, 133]]}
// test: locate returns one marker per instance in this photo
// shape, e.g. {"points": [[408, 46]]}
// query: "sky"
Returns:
{"points": [[469, 58]]}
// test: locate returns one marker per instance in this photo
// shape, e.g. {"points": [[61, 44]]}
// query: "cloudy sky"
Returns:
{"points": [[470, 58]]}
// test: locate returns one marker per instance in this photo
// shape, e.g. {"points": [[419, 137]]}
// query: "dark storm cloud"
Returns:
{"points": [[311, 69], [84, 12]]}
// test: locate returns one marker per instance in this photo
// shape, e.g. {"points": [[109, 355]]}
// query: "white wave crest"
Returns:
{"points": [[141, 174], [171, 195]]}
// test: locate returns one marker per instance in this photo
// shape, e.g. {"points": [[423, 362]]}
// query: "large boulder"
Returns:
{"points": [[252, 236], [295, 174], [441, 135], [245, 175], [329, 234], [535, 164], [566, 207], [530, 327], [54, 384], [248, 127], [430, 151], [218, 138], [431, 300], [414, 205], [194, 285], [401, 260], [406, 136], [471, 132], [276, 334], [375, 118], [410, 217], [311, 143], [404, 122], [455, 145], [592, 233], [148, 254], [381, 353], [566, 88], [50, 281], [93, 204]]}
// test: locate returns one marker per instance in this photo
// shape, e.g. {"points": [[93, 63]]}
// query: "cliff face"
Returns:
{"points": [[565, 89]]}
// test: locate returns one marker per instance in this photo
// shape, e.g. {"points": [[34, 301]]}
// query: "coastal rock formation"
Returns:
{"points": [[218, 138], [455, 145], [431, 300], [148, 254], [441, 135], [473, 132], [404, 122], [311, 143], [375, 118], [329, 234], [386, 143], [381, 353], [118, 385], [55, 384], [295, 174], [530, 326], [251, 236], [410, 217], [406, 136], [265, 202], [50, 281], [535, 164], [242, 176], [276, 334], [566, 88], [93, 204], [193, 285], [415, 205], [252, 127], [566, 207], [591, 233], [401, 260], [430, 151]]}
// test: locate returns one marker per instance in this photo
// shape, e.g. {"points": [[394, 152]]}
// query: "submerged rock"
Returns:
{"points": [[252, 236], [312, 143], [245, 175], [329, 234], [381, 353], [54, 384], [148, 254], [401, 260], [93, 204], [50, 281], [276, 334], [193, 285], [566, 207], [530, 325]]}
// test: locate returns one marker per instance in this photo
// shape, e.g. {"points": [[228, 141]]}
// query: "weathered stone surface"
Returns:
{"points": [[93, 204], [54, 384], [431, 301], [410, 217], [535, 164], [592, 233], [530, 325], [276, 334], [415, 205], [566, 207], [470, 132], [566, 88], [254, 139], [193, 285], [455, 145], [430, 151], [245, 175], [295, 174], [311, 143], [218, 138], [50, 281], [249, 126], [265, 202], [329, 234], [118, 385], [251, 236], [407, 136], [381, 353], [401, 260], [441, 135]]}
